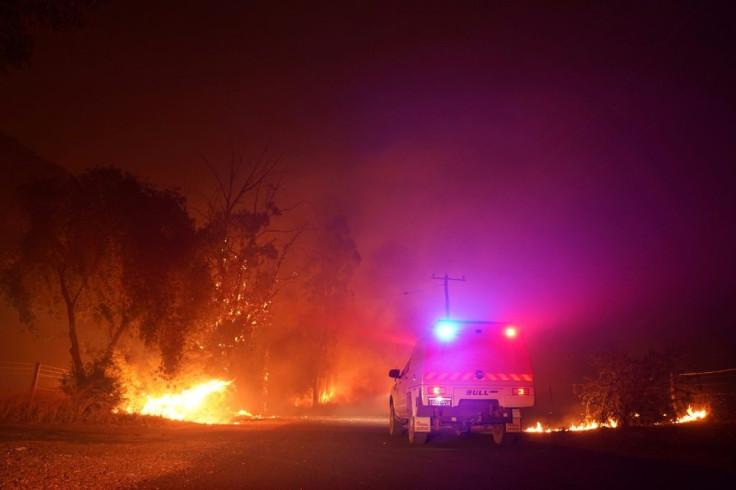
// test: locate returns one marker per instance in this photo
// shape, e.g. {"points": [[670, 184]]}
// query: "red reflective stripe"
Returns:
{"points": [[471, 375]]}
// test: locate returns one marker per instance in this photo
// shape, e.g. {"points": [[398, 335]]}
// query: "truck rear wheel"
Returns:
{"points": [[416, 438], [394, 425], [498, 430]]}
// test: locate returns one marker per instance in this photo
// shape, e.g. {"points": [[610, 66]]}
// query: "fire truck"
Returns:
{"points": [[463, 375]]}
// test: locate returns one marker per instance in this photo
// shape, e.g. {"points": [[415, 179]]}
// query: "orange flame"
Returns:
{"points": [[538, 428], [692, 415], [611, 424], [327, 394], [192, 405]]}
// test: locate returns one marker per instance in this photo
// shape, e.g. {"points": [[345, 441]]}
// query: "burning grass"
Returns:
{"points": [[692, 415], [201, 403]]}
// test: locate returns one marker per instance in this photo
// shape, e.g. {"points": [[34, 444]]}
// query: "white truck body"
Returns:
{"points": [[463, 375]]}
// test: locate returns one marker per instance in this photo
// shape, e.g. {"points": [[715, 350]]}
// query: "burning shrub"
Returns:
{"points": [[632, 391]]}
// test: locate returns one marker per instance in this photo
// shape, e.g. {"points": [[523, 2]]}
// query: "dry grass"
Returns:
{"points": [[58, 408]]}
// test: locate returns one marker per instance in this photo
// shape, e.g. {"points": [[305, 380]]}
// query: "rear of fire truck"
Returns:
{"points": [[463, 375]]}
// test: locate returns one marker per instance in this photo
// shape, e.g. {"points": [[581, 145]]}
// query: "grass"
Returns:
{"points": [[58, 408]]}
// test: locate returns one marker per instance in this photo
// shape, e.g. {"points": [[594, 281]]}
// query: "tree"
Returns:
{"points": [[114, 254], [246, 256], [628, 389], [328, 280], [20, 18]]}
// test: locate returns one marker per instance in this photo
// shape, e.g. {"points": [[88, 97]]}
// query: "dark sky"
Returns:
{"points": [[575, 161]]}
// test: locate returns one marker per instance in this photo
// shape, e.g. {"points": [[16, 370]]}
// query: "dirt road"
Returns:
{"points": [[329, 453]]}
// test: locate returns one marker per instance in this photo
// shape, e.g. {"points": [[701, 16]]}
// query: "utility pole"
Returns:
{"points": [[446, 279]]}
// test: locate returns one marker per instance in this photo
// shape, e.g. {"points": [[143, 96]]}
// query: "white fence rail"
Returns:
{"points": [[35, 377]]}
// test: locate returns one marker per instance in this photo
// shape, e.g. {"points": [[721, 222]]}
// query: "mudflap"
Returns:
{"points": [[422, 424], [515, 425]]}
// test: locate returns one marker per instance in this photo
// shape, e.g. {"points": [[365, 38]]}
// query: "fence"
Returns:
{"points": [[716, 389], [34, 377]]}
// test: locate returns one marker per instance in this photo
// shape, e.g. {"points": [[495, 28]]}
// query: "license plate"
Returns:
{"points": [[440, 402]]}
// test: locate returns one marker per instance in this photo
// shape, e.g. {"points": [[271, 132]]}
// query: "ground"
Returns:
{"points": [[358, 453]]}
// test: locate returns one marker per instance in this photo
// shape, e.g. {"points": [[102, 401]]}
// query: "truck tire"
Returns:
{"points": [[416, 438], [497, 431], [394, 425]]}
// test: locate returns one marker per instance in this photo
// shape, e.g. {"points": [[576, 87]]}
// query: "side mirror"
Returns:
{"points": [[394, 373]]}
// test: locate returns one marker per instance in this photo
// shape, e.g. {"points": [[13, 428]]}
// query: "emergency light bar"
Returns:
{"points": [[446, 331]]}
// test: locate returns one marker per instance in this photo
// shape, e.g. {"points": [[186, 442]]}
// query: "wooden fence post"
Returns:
{"points": [[34, 382]]}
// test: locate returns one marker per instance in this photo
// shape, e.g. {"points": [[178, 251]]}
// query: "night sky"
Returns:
{"points": [[575, 161]]}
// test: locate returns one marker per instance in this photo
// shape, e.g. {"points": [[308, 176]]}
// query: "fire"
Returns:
{"points": [[326, 395], [610, 423], [192, 405], [539, 428], [692, 415]]}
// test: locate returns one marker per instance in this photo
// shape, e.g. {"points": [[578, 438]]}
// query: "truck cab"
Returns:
{"points": [[463, 375]]}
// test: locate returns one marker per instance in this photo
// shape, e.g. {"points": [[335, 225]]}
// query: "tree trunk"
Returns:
{"points": [[124, 322], [315, 393], [71, 303]]}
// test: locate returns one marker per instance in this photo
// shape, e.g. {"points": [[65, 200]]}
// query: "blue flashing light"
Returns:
{"points": [[446, 331]]}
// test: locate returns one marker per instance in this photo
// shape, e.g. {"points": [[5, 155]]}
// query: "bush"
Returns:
{"points": [[632, 391]]}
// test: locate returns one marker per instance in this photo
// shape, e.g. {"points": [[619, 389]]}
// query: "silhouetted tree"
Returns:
{"points": [[20, 18], [630, 390], [246, 255], [111, 253], [328, 280]]}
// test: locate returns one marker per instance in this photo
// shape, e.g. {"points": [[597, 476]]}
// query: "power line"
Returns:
{"points": [[728, 370]]}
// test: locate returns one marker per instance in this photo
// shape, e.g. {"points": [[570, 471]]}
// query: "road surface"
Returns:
{"points": [[324, 454]]}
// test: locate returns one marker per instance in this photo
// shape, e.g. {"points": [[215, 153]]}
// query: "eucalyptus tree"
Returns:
{"points": [[112, 255]]}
